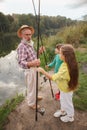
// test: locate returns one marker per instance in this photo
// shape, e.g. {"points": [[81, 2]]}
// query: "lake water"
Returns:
{"points": [[11, 77]]}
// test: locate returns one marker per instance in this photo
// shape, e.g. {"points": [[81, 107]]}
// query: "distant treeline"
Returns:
{"points": [[9, 24]]}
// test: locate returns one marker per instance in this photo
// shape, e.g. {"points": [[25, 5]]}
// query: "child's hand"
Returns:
{"points": [[40, 69], [46, 67]]}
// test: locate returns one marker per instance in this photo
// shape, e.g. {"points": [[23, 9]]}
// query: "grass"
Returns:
{"points": [[80, 96], [81, 56], [7, 108]]}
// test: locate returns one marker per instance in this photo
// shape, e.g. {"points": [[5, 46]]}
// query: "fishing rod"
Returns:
{"points": [[38, 20], [37, 58], [40, 110]]}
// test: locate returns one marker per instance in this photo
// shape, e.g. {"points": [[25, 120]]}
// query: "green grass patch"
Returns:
{"points": [[8, 107], [80, 96], [81, 56]]}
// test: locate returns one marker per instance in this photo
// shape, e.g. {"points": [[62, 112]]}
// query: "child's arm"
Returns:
{"points": [[39, 69], [52, 63]]}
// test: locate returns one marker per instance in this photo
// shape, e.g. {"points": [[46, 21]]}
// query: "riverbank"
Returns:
{"points": [[23, 118]]}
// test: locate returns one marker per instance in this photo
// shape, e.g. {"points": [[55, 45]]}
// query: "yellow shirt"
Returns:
{"points": [[62, 77]]}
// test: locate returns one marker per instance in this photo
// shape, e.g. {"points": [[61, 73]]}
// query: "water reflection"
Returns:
{"points": [[11, 77]]}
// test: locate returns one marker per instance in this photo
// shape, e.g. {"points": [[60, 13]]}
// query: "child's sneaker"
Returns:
{"points": [[67, 119], [57, 96], [59, 113]]}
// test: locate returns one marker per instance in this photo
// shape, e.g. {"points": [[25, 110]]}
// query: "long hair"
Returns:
{"points": [[70, 59]]}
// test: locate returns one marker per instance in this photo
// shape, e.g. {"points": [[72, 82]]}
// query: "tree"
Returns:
{"points": [[4, 23]]}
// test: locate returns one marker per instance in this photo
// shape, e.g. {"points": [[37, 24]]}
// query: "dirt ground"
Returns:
{"points": [[23, 118]]}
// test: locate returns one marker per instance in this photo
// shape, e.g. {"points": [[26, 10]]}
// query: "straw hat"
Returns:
{"points": [[23, 27]]}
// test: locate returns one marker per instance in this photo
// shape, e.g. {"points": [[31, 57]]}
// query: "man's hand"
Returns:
{"points": [[34, 63], [41, 49]]}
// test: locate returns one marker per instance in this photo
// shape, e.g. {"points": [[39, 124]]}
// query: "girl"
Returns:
{"points": [[67, 81], [56, 63]]}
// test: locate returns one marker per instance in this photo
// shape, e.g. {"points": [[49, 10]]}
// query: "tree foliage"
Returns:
{"points": [[53, 29]]}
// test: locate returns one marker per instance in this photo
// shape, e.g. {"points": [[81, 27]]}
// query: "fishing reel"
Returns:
{"points": [[41, 111], [44, 80]]}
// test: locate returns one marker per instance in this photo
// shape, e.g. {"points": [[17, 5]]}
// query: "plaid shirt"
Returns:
{"points": [[26, 53]]}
